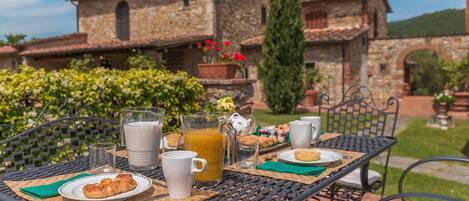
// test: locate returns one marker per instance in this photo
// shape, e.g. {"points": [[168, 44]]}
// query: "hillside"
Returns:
{"points": [[441, 22]]}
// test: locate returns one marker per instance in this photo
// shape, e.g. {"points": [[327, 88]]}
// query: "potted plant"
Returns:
{"points": [[219, 62], [311, 77], [457, 75], [442, 102]]}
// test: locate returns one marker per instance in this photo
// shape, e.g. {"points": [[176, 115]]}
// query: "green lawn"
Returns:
{"points": [[265, 117], [419, 141], [416, 182]]}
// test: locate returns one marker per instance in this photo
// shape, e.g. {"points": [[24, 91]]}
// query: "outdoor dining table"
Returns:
{"points": [[235, 185]]}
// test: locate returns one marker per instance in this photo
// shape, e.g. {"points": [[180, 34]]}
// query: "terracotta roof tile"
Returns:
{"points": [[54, 38], [5, 50], [115, 45], [319, 36]]}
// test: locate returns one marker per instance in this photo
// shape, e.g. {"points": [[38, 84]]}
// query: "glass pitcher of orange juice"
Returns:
{"points": [[203, 134]]}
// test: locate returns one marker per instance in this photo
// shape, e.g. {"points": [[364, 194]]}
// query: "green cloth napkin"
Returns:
{"points": [[293, 169], [49, 190]]}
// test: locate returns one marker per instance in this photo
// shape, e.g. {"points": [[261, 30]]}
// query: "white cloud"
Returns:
{"points": [[39, 11], [14, 4]]}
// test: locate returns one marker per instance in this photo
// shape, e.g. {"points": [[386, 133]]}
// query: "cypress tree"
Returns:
{"points": [[283, 49]]}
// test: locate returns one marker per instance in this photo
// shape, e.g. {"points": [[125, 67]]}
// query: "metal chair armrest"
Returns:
{"points": [[428, 160], [418, 195]]}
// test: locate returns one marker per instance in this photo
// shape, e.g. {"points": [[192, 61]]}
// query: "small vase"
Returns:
{"points": [[310, 97], [441, 108]]}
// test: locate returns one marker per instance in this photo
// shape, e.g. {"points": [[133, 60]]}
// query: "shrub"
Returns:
{"points": [[458, 75], [282, 50], [98, 92], [311, 77], [86, 63], [139, 60]]}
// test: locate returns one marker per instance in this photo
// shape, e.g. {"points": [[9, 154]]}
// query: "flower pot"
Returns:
{"points": [[441, 109], [311, 96], [217, 71], [462, 102]]}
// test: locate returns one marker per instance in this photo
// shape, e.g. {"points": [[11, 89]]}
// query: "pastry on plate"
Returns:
{"points": [[265, 141], [108, 187], [307, 155]]}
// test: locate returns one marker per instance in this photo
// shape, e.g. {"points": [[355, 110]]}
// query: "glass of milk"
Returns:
{"points": [[142, 131]]}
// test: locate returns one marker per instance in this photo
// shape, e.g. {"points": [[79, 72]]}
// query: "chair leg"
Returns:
{"points": [[385, 174], [364, 177], [332, 191]]}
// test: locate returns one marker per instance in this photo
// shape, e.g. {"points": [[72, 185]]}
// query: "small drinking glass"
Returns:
{"points": [[172, 141], [102, 157], [247, 151]]}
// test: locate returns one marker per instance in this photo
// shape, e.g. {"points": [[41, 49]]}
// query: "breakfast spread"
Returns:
{"points": [[307, 155], [264, 141], [108, 187]]}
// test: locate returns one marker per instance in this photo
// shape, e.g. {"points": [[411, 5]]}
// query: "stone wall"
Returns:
{"points": [[327, 58], [340, 13], [356, 48], [238, 20], [378, 7], [148, 19], [242, 91], [8, 62], [386, 59]]}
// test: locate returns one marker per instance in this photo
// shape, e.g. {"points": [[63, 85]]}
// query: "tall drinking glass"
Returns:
{"points": [[202, 134], [142, 130]]}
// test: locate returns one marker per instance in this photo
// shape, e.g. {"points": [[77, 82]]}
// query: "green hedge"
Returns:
{"points": [[99, 92]]}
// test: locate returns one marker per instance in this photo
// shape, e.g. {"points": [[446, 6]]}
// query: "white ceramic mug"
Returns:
{"points": [[179, 168], [300, 134], [316, 126]]}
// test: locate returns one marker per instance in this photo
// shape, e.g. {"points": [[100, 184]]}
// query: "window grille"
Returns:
{"points": [[122, 21], [316, 20]]}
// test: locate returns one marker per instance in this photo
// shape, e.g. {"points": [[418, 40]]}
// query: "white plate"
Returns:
{"points": [[327, 156], [74, 189]]}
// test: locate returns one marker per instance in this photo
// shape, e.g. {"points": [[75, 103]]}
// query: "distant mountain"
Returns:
{"points": [[442, 22]]}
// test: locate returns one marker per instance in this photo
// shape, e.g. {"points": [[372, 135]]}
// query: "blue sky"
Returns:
{"points": [[44, 18]]}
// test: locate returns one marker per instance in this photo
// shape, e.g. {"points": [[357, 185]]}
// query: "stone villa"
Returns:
{"points": [[344, 38]]}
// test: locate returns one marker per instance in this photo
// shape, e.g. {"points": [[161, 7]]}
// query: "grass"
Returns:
{"points": [[416, 182], [418, 141], [265, 117]]}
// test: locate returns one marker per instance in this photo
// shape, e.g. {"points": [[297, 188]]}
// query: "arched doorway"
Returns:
{"points": [[422, 73], [421, 67]]}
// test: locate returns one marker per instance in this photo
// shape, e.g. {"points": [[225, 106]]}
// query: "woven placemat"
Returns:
{"points": [[158, 188], [349, 156]]}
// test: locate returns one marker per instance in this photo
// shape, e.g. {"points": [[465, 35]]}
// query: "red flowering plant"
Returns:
{"points": [[215, 53]]}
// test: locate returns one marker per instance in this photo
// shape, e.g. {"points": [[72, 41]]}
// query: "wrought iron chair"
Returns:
{"points": [[427, 196], [55, 141], [358, 114]]}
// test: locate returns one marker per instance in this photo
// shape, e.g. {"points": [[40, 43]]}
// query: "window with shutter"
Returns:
{"points": [[122, 21], [316, 20], [186, 3]]}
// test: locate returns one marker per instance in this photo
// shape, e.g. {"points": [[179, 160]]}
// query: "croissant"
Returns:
{"points": [[108, 187]]}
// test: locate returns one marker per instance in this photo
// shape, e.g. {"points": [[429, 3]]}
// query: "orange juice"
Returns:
{"points": [[209, 144]]}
